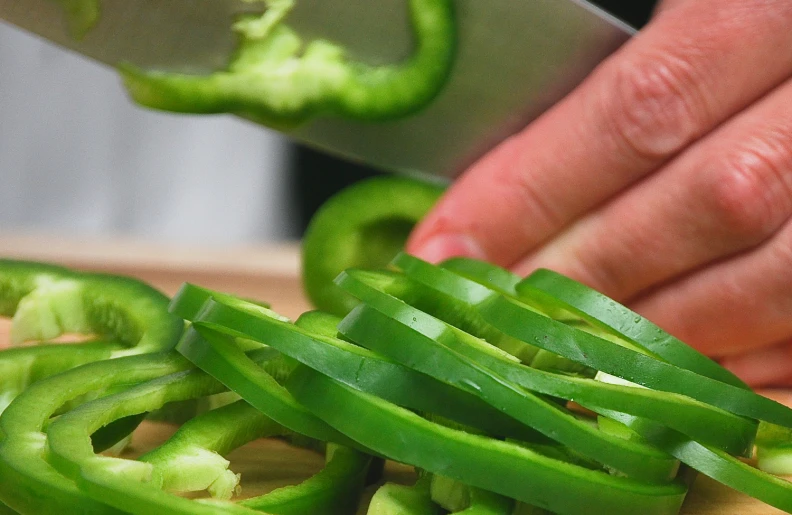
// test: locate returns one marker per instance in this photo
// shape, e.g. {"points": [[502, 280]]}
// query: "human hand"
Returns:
{"points": [[664, 181]]}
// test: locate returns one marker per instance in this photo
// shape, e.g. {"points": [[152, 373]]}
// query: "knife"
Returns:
{"points": [[515, 59]]}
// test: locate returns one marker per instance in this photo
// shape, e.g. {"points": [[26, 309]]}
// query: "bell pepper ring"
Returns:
{"points": [[388, 326], [350, 364], [363, 226], [494, 465], [700, 421], [30, 484]]}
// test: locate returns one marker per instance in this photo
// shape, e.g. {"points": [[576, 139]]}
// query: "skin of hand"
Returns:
{"points": [[664, 181]]}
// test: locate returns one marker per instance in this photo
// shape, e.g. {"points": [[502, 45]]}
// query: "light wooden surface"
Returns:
{"points": [[271, 274]]}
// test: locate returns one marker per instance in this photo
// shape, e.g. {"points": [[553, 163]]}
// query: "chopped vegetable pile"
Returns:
{"points": [[508, 395]]}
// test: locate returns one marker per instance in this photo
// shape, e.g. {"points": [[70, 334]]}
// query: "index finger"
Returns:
{"points": [[688, 71]]}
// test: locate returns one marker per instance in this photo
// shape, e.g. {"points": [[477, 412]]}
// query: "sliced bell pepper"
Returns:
{"points": [[391, 327], [363, 226], [126, 484], [47, 301], [700, 421], [716, 464], [461, 499], [23, 366], [774, 449], [455, 302], [191, 460], [501, 467], [278, 79], [395, 499], [30, 485], [607, 314], [230, 365], [518, 320], [135, 486], [347, 363], [335, 489]]}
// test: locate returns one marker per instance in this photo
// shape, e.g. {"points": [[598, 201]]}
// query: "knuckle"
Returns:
{"points": [[751, 191], [654, 107]]}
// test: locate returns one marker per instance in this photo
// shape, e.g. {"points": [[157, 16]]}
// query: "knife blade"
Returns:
{"points": [[515, 59]]}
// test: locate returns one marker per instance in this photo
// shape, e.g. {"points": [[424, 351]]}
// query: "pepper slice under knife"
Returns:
{"points": [[279, 80]]}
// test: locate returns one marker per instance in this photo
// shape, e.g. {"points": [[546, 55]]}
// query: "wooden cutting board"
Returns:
{"points": [[268, 273]]}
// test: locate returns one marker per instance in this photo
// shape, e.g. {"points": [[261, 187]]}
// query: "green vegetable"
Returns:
{"points": [[390, 327], [465, 371], [364, 226], [191, 460], [393, 499], [308, 342], [608, 315], [81, 15], [716, 464], [335, 489], [459, 498], [490, 464], [45, 302], [278, 79], [229, 364], [30, 484], [700, 421], [518, 320], [774, 449]]}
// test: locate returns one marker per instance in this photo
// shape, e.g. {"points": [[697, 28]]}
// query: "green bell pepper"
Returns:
{"points": [[30, 485], [279, 80], [363, 226], [391, 327], [494, 465]]}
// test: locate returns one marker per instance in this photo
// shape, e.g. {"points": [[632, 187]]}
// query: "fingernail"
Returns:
{"points": [[444, 246]]}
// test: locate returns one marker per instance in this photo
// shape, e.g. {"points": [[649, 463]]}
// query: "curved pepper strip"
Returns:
{"points": [[19, 278], [461, 499], [30, 485], [699, 421], [191, 460], [389, 326], [718, 465], [335, 489], [518, 320], [364, 226], [21, 367], [48, 301], [455, 303], [348, 363], [395, 499], [126, 484], [135, 486], [277, 79], [774, 449], [185, 462], [604, 312], [494, 465], [484, 273], [231, 366]]}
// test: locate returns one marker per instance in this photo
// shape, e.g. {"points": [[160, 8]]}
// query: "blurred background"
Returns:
{"points": [[77, 158]]}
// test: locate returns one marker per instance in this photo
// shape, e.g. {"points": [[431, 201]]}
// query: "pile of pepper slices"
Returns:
{"points": [[508, 395]]}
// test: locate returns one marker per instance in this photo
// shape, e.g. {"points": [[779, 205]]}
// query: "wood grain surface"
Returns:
{"points": [[271, 274]]}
